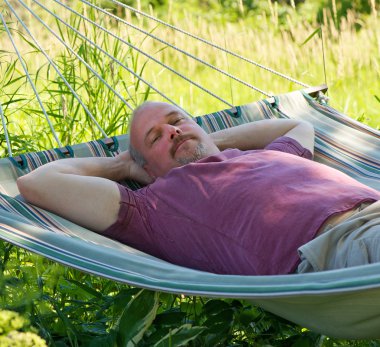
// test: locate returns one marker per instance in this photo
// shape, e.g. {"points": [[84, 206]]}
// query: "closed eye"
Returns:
{"points": [[155, 138], [176, 121]]}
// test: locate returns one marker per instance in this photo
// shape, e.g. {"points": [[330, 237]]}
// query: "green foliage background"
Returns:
{"points": [[70, 308]]}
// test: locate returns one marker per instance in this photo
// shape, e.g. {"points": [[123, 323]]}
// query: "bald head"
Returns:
{"points": [[154, 106], [162, 137]]}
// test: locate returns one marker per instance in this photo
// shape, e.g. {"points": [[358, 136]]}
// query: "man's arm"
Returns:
{"points": [[257, 135], [81, 189]]}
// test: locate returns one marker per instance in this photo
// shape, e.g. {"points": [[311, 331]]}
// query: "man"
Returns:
{"points": [[252, 210]]}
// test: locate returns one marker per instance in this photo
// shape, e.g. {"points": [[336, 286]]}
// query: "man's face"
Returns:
{"points": [[168, 138]]}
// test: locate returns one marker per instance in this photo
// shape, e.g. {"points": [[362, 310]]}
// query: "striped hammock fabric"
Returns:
{"points": [[342, 303]]}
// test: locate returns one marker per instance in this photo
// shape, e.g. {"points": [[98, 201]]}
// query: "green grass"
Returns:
{"points": [[70, 308], [353, 77]]}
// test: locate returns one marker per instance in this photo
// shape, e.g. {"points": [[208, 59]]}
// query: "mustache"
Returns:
{"points": [[177, 141]]}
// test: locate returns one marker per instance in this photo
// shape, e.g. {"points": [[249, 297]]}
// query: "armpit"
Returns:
{"points": [[289, 145]]}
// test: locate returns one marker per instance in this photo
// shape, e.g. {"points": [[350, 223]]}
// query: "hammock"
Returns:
{"points": [[342, 303]]}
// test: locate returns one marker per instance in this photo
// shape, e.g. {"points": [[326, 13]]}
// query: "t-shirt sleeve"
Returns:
{"points": [[289, 145], [129, 227]]}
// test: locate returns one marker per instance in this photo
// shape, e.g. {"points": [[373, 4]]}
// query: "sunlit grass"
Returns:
{"points": [[352, 63]]}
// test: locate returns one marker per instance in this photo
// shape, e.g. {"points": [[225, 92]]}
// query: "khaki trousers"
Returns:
{"points": [[352, 242]]}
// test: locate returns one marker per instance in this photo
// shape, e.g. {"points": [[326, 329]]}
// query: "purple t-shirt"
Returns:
{"points": [[237, 212]]}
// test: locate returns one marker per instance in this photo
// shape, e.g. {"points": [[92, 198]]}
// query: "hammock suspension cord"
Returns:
{"points": [[99, 48], [209, 43], [71, 50], [141, 51], [184, 52], [30, 81], [57, 70], [106, 53], [5, 125], [76, 54]]}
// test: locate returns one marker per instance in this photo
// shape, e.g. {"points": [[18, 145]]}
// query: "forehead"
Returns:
{"points": [[155, 111]]}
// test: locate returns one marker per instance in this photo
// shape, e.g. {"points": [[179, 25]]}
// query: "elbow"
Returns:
{"points": [[25, 187]]}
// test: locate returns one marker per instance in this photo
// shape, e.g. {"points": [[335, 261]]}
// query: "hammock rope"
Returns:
{"points": [[77, 55], [117, 61], [223, 72], [30, 81], [57, 70], [4, 123], [209, 43], [108, 55], [143, 53]]}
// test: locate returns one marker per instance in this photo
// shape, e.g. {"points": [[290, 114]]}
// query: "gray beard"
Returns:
{"points": [[200, 153]]}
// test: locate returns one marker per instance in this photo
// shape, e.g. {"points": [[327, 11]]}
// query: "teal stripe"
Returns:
{"points": [[94, 257]]}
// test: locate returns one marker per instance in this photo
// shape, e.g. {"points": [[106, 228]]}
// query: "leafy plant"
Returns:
{"points": [[15, 331]]}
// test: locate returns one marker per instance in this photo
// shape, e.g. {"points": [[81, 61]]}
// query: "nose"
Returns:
{"points": [[174, 132]]}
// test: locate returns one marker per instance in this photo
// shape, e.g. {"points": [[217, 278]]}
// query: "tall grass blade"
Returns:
{"points": [[315, 32]]}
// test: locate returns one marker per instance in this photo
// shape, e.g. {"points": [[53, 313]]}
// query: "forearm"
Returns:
{"points": [[254, 135], [107, 167], [49, 178], [257, 135], [80, 189]]}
